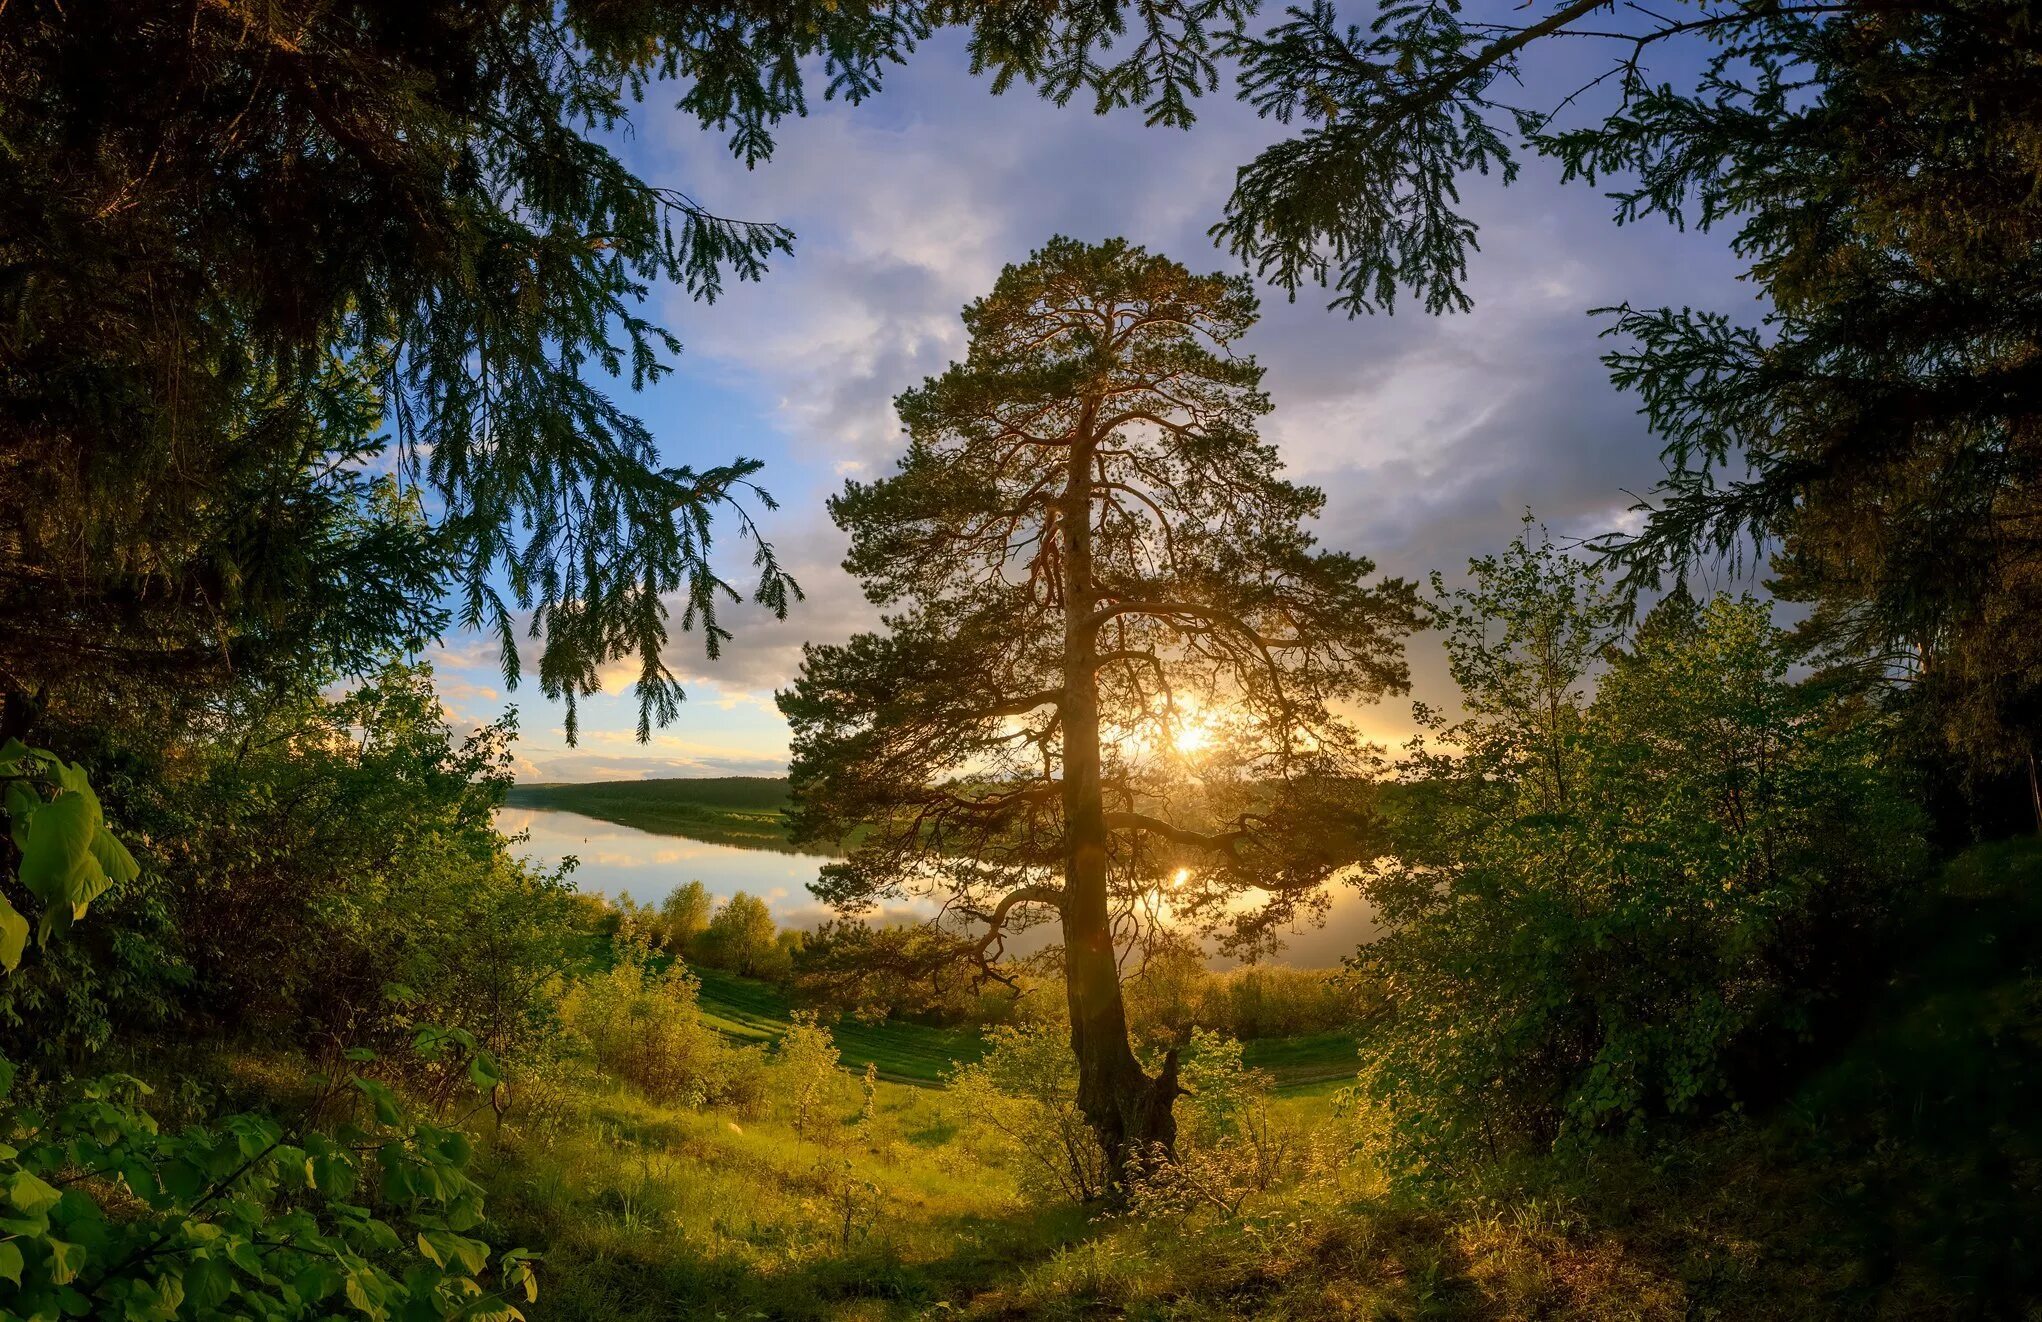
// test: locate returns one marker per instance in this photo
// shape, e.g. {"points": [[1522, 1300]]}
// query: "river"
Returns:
{"points": [[623, 860]]}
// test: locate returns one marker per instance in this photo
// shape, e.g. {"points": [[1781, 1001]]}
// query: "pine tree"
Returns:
{"points": [[1111, 677], [240, 243], [1874, 166]]}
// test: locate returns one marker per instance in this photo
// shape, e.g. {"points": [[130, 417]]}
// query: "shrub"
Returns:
{"points": [[807, 1061], [740, 938], [643, 1025], [1600, 908], [1021, 1101]]}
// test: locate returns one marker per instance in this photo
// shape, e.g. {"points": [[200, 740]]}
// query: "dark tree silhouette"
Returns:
{"points": [[1110, 684]]}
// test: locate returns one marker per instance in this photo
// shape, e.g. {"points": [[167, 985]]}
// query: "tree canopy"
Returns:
{"points": [[308, 242], [1116, 668], [1873, 166]]}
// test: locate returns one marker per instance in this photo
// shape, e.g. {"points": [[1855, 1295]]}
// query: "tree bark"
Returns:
{"points": [[1130, 1112], [2034, 790]]}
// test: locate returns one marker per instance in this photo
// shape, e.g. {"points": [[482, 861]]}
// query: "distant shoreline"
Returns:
{"points": [[748, 812]]}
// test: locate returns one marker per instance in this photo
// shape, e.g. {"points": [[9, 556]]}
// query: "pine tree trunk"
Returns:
{"points": [[2034, 790], [1130, 1112]]}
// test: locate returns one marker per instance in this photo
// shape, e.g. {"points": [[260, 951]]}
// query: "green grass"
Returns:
{"points": [[745, 811], [1322, 1062], [747, 1010], [752, 1011]]}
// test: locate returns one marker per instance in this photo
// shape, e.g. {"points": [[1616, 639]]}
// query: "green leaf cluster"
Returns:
{"points": [[1630, 879], [64, 856]]}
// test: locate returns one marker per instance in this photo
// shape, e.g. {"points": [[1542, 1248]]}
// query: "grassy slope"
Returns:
{"points": [[1901, 1177], [746, 811], [754, 1011]]}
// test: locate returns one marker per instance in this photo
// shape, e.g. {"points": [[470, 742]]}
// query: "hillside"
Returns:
{"points": [[911, 1053], [1895, 1177], [745, 811]]}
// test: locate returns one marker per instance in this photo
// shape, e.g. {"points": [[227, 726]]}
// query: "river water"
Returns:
{"points": [[623, 860]]}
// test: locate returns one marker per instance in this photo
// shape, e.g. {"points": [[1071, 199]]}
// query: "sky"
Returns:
{"points": [[1431, 436]]}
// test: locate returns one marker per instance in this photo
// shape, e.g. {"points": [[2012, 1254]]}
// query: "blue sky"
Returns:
{"points": [[1429, 435]]}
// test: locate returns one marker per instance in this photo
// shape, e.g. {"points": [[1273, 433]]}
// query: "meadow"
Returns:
{"points": [[745, 811], [1899, 1166]]}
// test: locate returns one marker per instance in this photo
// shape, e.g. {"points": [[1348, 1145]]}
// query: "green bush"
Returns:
{"points": [[642, 1025], [1601, 909], [1020, 1102]]}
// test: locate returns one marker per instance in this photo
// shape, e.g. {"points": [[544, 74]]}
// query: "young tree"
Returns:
{"points": [[740, 936], [1108, 686], [684, 915]]}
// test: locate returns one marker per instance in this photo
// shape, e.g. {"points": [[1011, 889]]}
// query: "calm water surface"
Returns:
{"points": [[623, 860]]}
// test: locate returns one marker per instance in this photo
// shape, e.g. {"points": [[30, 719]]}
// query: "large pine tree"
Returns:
{"points": [[1109, 692]]}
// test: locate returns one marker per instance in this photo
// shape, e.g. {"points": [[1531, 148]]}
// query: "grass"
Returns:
{"points": [[1899, 1175], [656, 1212], [744, 811], [752, 1011]]}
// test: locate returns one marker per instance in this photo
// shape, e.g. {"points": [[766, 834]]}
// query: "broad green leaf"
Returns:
{"points": [[385, 1103], [21, 804], [66, 1261], [13, 935], [114, 858], [57, 863], [10, 1261], [482, 1071], [207, 1284], [30, 1194]]}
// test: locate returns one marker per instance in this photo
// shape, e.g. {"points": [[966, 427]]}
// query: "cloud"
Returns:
{"points": [[580, 766], [1429, 435]]}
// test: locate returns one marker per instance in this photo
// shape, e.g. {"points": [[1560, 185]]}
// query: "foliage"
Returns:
{"points": [[1114, 659], [188, 432], [246, 1216], [807, 1061], [1605, 909], [909, 971], [741, 937], [1232, 1146], [1022, 1098], [1875, 169], [316, 853], [643, 1026], [684, 915], [1174, 993], [57, 848]]}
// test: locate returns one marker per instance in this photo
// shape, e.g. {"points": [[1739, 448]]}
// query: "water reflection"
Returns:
{"points": [[623, 860]]}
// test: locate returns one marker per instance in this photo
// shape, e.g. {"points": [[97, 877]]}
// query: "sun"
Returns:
{"points": [[1190, 739]]}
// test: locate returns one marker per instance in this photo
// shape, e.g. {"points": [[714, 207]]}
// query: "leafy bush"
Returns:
{"points": [[1599, 908], [806, 1059], [643, 1025], [1021, 1101]]}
